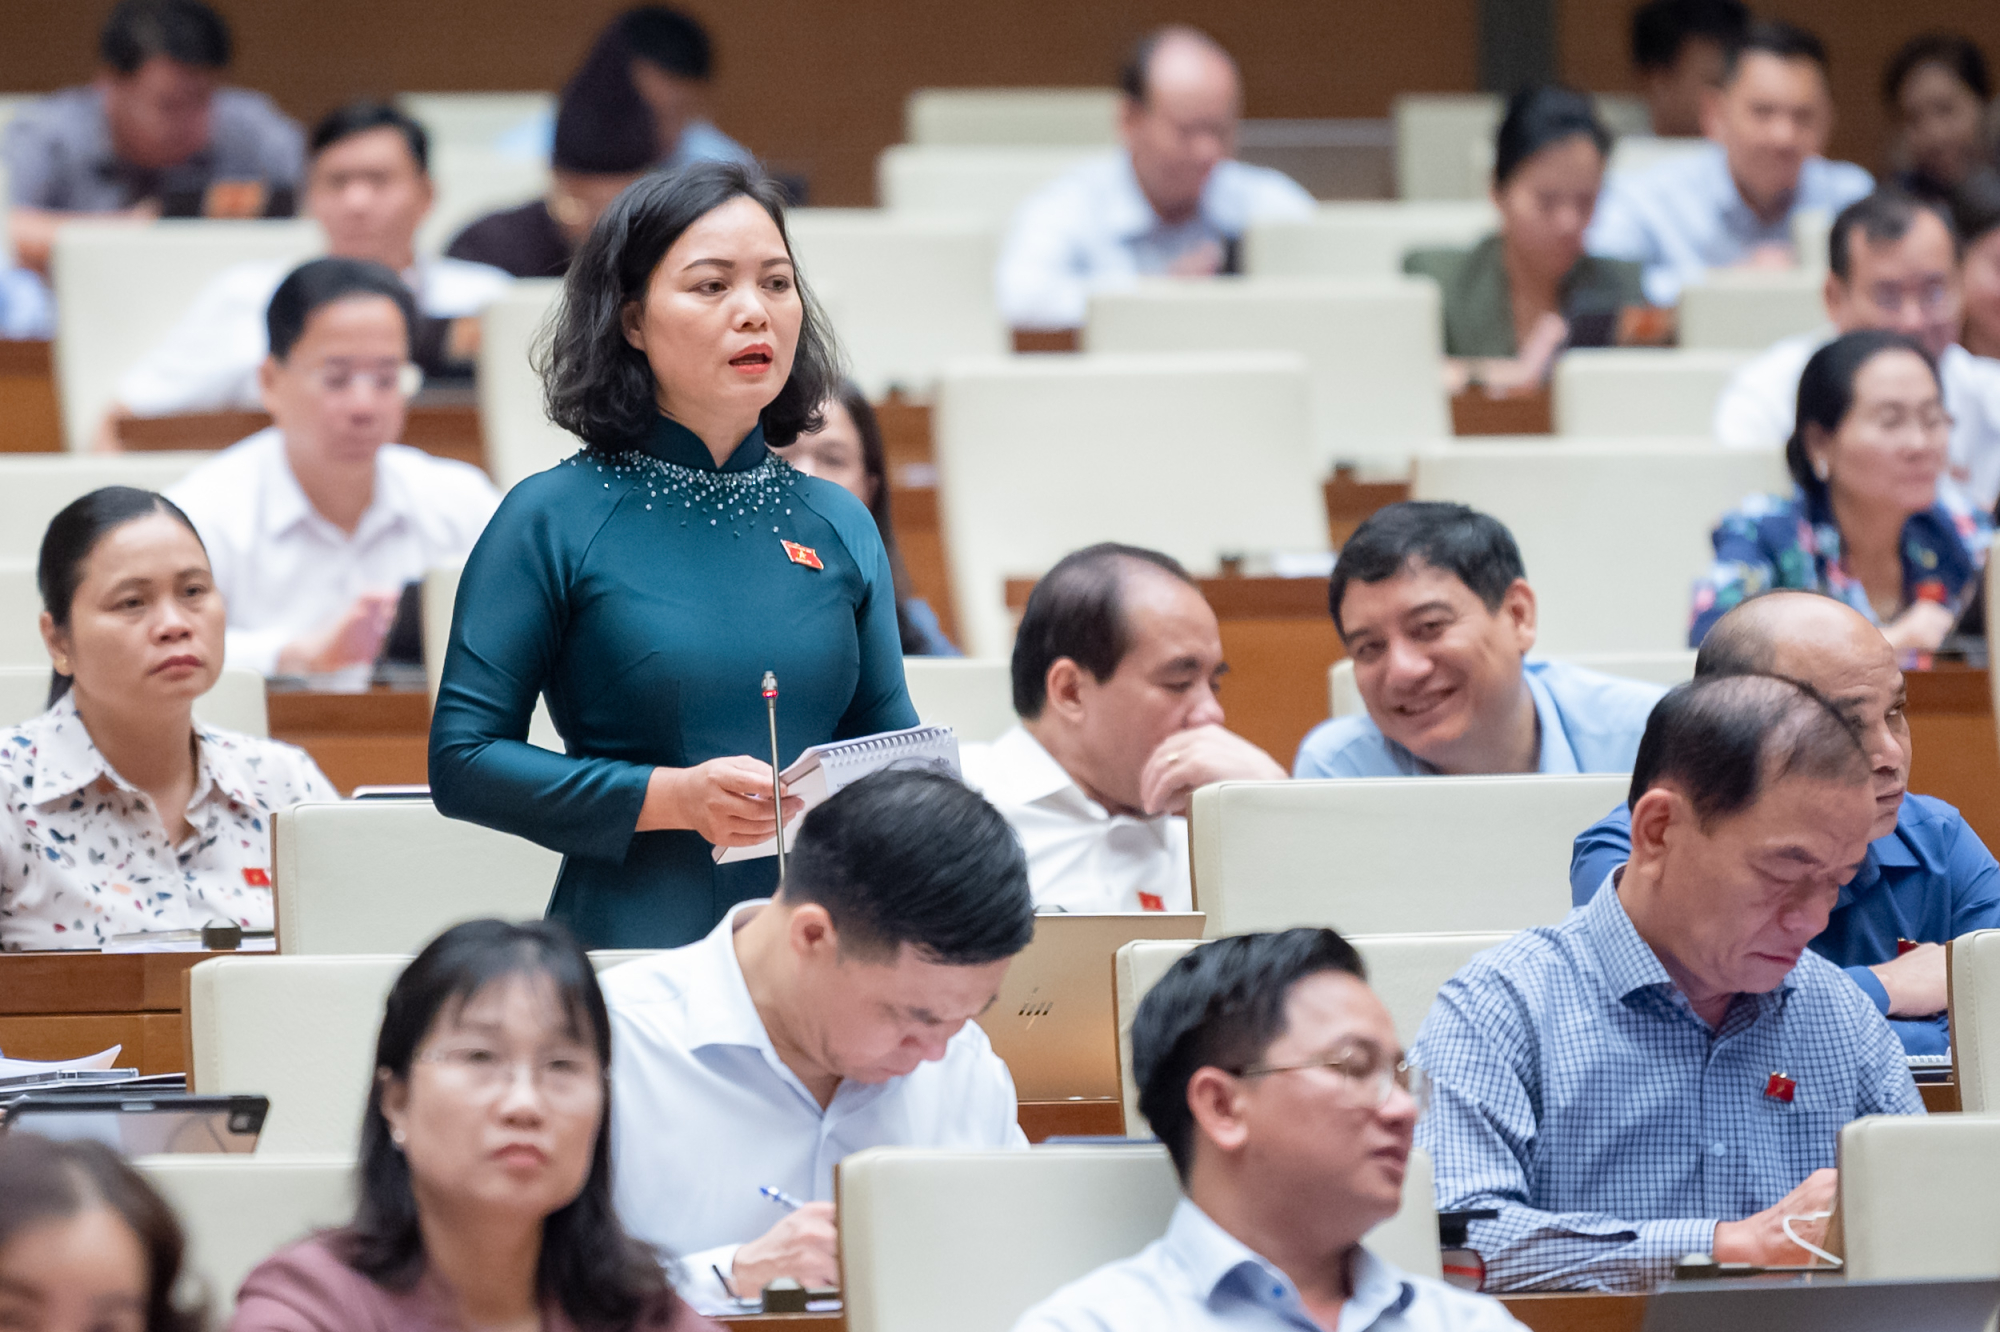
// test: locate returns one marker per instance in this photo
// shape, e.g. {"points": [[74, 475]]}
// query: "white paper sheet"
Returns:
{"points": [[21, 1068]]}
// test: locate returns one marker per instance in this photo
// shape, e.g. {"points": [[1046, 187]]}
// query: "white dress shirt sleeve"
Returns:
{"points": [[1749, 415], [698, 1284], [1041, 283]]}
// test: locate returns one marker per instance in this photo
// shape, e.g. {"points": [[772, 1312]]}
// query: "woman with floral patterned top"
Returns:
{"points": [[1867, 522], [119, 812]]}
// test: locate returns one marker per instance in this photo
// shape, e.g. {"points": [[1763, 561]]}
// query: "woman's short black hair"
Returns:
{"points": [[600, 387], [1723, 739], [1957, 54], [43, 1181], [1826, 393], [71, 537], [1541, 117], [597, 1274], [321, 282], [1473, 547], [912, 856], [1077, 610], [1221, 1006]]}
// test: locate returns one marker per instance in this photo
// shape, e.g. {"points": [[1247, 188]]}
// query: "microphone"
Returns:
{"points": [[777, 788]]}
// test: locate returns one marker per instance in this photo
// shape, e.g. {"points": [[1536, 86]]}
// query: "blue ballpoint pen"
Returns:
{"points": [[780, 1197]]}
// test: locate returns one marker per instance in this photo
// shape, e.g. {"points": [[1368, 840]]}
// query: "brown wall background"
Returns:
{"points": [[817, 86]]}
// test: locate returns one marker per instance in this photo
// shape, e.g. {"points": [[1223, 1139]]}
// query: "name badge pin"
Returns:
{"points": [[805, 555], [1781, 1088]]}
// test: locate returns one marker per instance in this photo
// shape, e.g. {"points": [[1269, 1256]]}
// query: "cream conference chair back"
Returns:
{"points": [[1614, 536], [472, 180], [476, 119], [39, 486], [1371, 345], [1749, 310], [387, 876], [1037, 1220], [121, 288], [520, 438], [21, 644], [1363, 237], [913, 290], [239, 1210], [1134, 442], [1435, 138], [1662, 668], [1975, 1020], [1271, 855], [236, 703], [973, 697], [1614, 391], [1916, 1197], [977, 180], [935, 117]]}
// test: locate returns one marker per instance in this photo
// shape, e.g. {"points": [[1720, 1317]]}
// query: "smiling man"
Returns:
{"points": [[1433, 605], [1273, 1075], [834, 1017], [1668, 1070]]}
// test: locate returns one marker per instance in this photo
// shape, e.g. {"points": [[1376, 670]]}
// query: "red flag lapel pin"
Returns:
{"points": [[805, 555]]}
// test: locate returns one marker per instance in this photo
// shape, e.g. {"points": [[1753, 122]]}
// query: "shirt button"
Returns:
{"points": [[1719, 1149]]}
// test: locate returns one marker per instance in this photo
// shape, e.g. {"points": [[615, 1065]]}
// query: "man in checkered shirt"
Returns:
{"points": [[1668, 1070]]}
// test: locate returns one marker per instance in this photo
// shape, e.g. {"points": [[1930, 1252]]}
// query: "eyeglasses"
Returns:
{"points": [[1930, 296], [398, 377], [562, 1078], [1366, 1076], [1929, 421]]}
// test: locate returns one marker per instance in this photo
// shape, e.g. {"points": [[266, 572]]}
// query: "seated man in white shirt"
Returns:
{"points": [[1173, 200], [1116, 666], [1732, 203], [1893, 263], [1433, 604], [833, 1017], [315, 524], [369, 187], [1273, 1075]]}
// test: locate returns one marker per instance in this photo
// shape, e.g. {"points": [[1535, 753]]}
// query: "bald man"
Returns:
{"points": [[1171, 201], [1927, 877]]}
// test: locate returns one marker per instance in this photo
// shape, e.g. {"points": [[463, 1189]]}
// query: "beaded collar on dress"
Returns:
{"points": [[753, 485]]}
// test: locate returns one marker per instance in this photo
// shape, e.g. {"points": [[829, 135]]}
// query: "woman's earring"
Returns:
{"points": [[398, 1137], [62, 665], [1821, 470]]}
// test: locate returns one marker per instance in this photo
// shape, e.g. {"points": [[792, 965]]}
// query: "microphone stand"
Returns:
{"points": [[777, 789]]}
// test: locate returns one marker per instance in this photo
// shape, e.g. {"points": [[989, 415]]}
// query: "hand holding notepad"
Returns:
{"points": [[825, 769]]}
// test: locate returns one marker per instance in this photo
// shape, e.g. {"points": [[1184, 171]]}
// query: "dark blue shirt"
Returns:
{"points": [[1929, 881]]}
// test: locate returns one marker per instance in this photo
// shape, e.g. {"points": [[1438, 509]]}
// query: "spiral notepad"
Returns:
{"points": [[825, 769]]}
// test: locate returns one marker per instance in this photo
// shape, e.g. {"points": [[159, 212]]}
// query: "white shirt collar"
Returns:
{"points": [[286, 504], [1214, 1259], [719, 1008]]}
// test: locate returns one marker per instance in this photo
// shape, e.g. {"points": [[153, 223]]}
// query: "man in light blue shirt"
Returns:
{"points": [[1668, 1070], [1732, 204], [1927, 878], [1433, 605], [1273, 1075], [1171, 201]]}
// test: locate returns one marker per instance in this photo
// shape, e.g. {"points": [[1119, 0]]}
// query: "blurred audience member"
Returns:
{"points": [[672, 63], [1977, 209], [317, 522], [86, 1244], [1893, 264], [369, 187], [485, 1172], [1867, 521], [1116, 668], [1510, 300], [1939, 94], [1678, 48], [847, 450], [605, 140], [1732, 203], [122, 813], [1433, 604], [153, 135], [1172, 200]]}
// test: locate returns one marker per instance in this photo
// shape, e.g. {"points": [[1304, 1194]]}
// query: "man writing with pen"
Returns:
{"points": [[833, 1017]]}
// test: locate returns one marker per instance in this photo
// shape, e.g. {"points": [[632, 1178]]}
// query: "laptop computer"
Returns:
{"points": [[137, 1122], [1824, 1303], [1055, 1022]]}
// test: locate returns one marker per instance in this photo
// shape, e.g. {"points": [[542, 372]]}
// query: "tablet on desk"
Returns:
{"points": [[1823, 1302], [141, 1123], [1055, 1022]]}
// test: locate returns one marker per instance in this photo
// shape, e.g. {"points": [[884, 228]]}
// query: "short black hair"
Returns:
{"points": [[1975, 209], [911, 855], [1775, 37], [360, 117], [1955, 52], [1077, 610], [1722, 740], [186, 31], [599, 387], [320, 282], [1135, 74], [1475, 548], [1661, 28], [673, 41], [1538, 117], [1884, 216], [1221, 1006], [1826, 393]]}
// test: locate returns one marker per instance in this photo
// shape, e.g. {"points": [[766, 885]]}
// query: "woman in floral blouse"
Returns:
{"points": [[119, 812], [1867, 522]]}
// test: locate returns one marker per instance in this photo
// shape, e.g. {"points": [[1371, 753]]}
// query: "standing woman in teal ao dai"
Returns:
{"points": [[645, 585]]}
